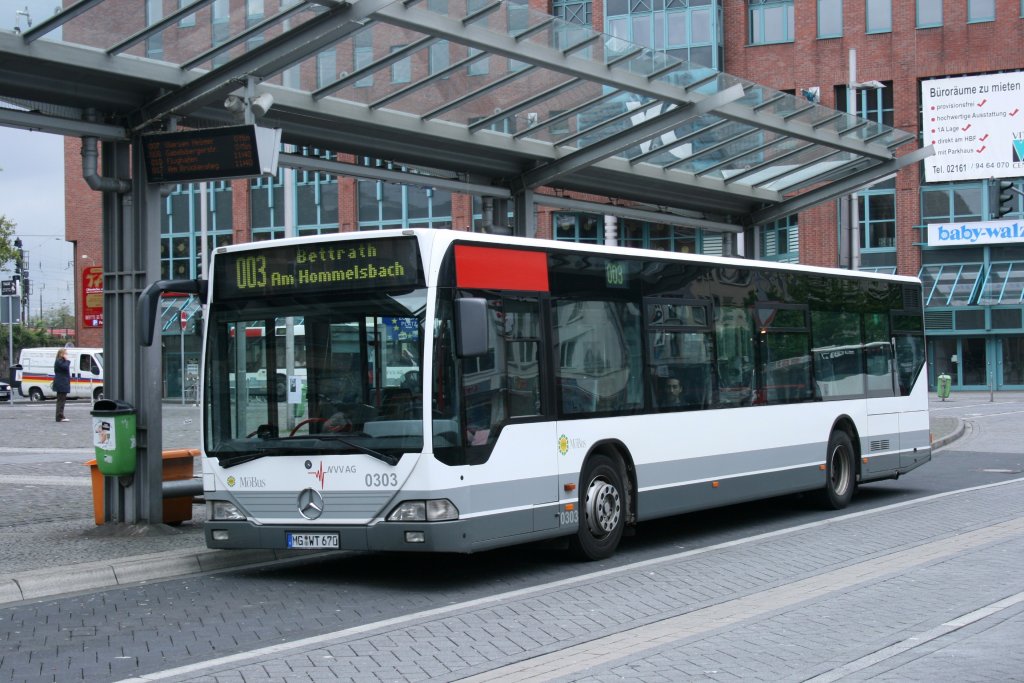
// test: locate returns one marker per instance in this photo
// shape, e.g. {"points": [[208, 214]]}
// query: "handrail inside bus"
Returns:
{"points": [[145, 311]]}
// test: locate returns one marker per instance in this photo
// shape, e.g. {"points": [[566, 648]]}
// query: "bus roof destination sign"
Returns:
{"points": [[212, 153], [318, 266]]}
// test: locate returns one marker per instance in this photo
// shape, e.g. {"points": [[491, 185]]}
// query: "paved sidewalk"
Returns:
{"points": [[49, 542]]}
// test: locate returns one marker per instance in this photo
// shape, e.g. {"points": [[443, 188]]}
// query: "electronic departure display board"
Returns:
{"points": [[212, 153], [318, 266]]}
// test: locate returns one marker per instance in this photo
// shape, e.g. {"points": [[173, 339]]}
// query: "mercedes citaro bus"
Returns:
{"points": [[461, 392]]}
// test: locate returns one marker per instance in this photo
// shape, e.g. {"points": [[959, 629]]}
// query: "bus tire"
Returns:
{"points": [[602, 509], [840, 472], [36, 394], [97, 393]]}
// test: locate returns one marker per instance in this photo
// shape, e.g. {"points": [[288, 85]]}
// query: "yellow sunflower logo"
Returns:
{"points": [[563, 444], [231, 481]]}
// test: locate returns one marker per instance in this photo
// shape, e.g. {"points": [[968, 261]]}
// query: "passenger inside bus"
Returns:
{"points": [[671, 396]]}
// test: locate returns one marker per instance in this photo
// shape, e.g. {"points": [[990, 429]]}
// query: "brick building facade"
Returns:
{"points": [[796, 46]]}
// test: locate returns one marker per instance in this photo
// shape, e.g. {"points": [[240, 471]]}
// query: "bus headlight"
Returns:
{"points": [[223, 510], [437, 510]]}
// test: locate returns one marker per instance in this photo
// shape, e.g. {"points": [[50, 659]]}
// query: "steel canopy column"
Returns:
{"points": [[524, 214], [131, 259]]}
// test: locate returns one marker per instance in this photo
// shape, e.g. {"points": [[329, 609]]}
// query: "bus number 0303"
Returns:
{"points": [[251, 271], [568, 517], [378, 480]]}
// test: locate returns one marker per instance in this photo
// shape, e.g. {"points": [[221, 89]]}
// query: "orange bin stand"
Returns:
{"points": [[177, 466]]}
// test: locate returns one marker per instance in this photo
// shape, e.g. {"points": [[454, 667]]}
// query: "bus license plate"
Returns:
{"points": [[313, 541]]}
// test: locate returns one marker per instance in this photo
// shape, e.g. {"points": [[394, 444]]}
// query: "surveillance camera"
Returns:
{"points": [[262, 104], [234, 103]]}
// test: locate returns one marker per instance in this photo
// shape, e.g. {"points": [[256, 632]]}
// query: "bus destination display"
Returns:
{"points": [[318, 267], [228, 152]]}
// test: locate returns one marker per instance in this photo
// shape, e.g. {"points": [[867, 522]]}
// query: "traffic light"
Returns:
{"points": [[1003, 198]]}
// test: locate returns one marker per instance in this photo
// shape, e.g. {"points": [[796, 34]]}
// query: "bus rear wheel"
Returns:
{"points": [[36, 394], [602, 509], [840, 472]]}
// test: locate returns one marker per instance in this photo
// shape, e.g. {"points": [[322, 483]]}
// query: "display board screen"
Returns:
{"points": [[228, 152], [318, 266]]}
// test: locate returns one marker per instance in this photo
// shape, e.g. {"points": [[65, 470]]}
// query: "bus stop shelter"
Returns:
{"points": [[491, 99]]}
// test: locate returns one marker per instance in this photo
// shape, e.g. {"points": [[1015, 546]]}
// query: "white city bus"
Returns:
{"points": [[464, 391]]}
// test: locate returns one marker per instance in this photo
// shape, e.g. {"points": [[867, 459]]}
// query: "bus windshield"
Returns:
{"points": [[315, 374]]}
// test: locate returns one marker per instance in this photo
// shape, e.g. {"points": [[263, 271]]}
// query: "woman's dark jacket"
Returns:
{"points": [[62, 376]]}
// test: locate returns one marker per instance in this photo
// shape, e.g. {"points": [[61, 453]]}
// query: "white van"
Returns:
{"points": [[37, 372]]}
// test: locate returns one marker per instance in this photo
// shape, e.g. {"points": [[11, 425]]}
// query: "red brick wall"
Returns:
{"points": [[903, 56], [83, 220]]}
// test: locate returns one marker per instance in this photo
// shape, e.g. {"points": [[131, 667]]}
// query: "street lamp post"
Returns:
{"points": [[852, 88]]}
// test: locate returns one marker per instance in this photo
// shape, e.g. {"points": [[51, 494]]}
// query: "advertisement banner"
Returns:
{"points": [[976, 124], [92, 296], [980, 232]]}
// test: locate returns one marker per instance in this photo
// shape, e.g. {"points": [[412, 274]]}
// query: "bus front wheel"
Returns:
{"points": [[840, 472], [602, 509]]}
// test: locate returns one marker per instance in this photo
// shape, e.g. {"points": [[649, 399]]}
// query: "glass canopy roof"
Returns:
{"points": [[489, 92]]}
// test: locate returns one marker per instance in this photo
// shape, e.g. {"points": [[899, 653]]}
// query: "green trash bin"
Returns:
{"points": [[113, 437], [942, 386]]}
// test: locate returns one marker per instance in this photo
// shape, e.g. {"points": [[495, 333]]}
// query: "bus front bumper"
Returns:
{"points": [[433, 537]]}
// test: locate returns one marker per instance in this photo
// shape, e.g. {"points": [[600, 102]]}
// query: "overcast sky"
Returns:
{"points": [[32, 197]]}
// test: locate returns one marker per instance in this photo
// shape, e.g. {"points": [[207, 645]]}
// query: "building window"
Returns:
{"points": [[266, 207], [574, 11], [481, 66], [780, 240], [220, 28], [518, 21], [684, 29], [326, 67], [656, 236], [154, 43], [877, 211], [873, 105], [440, 58], [929, 13], [181, 230], [879, 16], [363, 56], [947, 202], [190, 20], [830, 18], [981, 10], [586, 228], [576, 19], [316, 198], [771, 21], [401, 71], [393, 205]]}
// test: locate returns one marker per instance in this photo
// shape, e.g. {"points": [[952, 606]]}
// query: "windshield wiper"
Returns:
{"points": [[227, 461], [247, 456], [384, 457]]}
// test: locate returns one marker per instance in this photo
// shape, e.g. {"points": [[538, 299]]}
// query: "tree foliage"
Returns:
{"points": [[7, 250]]}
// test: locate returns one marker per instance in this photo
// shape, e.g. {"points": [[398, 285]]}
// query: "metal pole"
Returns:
{"points": [[851, 108], [181, 326]]}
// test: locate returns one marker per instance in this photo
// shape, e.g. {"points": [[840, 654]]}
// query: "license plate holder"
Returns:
{"points": [[312, 541]]}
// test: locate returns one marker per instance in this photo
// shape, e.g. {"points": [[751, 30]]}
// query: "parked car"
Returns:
{"points": [[5, 391]]}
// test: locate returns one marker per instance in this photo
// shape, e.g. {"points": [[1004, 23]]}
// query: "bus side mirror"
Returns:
{"points": [[471, 327], [146, 307]]}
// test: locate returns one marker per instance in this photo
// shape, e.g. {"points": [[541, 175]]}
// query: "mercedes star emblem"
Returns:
{"points": [[311, 503]]}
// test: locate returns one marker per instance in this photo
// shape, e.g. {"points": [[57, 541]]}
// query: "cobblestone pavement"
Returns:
{"points": [[924, 590]]}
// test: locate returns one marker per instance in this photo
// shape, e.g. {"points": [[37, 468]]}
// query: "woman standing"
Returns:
{"points": [[62, 382]]}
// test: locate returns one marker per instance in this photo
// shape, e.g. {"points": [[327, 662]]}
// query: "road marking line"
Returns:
{"points": [[324, 638], [917, 640]]}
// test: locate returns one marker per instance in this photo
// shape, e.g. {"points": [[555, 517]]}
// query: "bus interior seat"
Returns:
{"points": [[397, 403]]}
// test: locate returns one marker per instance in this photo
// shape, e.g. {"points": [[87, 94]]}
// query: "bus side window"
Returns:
{"points": [[734, 338]]}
